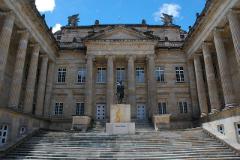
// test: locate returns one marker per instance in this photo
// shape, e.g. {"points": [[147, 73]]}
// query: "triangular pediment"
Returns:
{"points": [[119, 33]]}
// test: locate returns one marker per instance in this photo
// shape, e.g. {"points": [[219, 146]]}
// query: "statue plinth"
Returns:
{"points": [[120, 120], [120, 113]]}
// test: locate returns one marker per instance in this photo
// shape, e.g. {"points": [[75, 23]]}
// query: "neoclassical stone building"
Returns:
{"points": [[47, 79]]}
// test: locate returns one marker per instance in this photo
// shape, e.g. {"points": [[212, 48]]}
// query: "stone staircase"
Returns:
{"points": [[98, 127], [190, 144]]}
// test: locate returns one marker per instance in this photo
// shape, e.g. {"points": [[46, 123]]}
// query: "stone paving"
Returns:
{"points": [[145, 144]]}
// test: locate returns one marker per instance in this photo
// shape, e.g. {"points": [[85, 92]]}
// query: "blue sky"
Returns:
{"points": [[119, 11]]}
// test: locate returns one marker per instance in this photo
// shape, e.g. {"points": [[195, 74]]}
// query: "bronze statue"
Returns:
{"points": [[73, 20], [120, 92], [167, 19]]}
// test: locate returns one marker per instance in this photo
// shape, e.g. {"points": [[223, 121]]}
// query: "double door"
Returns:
{"points": [[100, 112], [141, 111]]}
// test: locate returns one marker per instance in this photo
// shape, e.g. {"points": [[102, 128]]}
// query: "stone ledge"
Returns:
{"points": [[231, 112]]}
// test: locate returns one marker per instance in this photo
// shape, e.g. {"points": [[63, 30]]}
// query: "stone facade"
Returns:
{"points": [[51, 78]]}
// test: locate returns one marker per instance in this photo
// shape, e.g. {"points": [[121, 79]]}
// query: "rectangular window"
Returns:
{"points": [[162, 108], [81, 78], [220, 129], [140, 75], [183, 106], [80, 109], [160, 71], [61, 75], [237, 125], [58, 109], [101, 75], [179, 74], [3, 134], [120, 74]]}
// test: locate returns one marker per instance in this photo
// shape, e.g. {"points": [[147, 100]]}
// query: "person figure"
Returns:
{"points": [[120, 92]]}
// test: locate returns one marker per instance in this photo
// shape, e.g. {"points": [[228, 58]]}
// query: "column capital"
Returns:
{"points": [[217, 31], [150, 57], [44, 56], [232, 12], [90, 57], [7, 13], [132, 57], [24, 33], [110, 57], [35, 46], [207, 43], [197, 55], [206, 46]]}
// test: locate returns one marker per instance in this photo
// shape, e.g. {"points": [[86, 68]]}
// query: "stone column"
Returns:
{"points": [[152, 92], [50, 80], [193, 90], [224, 70], [31, 80], [202, 98], [132, 85], [16, 86], [211, 80], [41, 86], [89, 86], [234, 24], [110, 83], [5, 38]]}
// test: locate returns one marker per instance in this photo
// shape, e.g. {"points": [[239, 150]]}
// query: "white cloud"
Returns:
{"points": [[168, 8], [56, 28], [45, 5]]}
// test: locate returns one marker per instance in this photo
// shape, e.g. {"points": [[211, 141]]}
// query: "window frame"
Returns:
{"points": [[81, 75], [4, 129], [140, 74], [101, 75], [180, 75], [61, 75], [237, 128], [162, 108], [80, 109], [160, 74], [183, 107], [221, 129], [120, 74], [58, 109]]}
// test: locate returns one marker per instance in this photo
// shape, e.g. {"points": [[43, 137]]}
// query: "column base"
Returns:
{"points": [[203, 115], [214, 111], [229, 106]]}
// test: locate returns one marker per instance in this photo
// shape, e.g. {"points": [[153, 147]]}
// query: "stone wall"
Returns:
{"points": [[16, 123], [229, 133]]}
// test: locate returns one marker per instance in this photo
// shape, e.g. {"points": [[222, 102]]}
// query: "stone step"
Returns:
{"points": [[181, 144], [100, 156]]}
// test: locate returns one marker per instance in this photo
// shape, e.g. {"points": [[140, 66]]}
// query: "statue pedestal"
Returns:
{"points": [[81, 123], [120, 120], [161, 121]]}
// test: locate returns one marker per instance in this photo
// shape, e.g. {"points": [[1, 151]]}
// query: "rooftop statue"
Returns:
{"points": [[167, 19], [73, 20]]}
